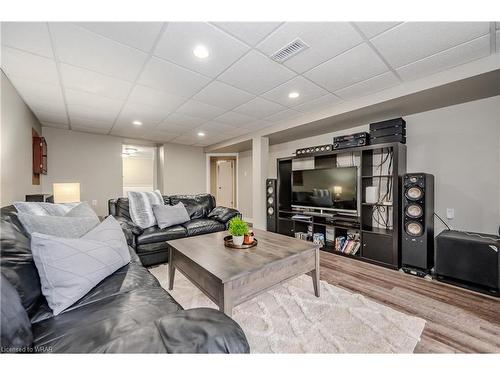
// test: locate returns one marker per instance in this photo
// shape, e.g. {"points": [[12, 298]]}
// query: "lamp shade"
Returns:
{"points": [[66, 192], [337, 190]]}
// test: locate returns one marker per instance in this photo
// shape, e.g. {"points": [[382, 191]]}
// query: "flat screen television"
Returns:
{"points": [[330, 189]]}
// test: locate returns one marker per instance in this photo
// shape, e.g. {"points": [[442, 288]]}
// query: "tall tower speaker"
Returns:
{"points": [[417, 240], [271, 205]]}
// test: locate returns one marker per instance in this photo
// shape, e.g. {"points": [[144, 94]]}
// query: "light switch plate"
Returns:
{"points": [[94, 202], [450, 213]]}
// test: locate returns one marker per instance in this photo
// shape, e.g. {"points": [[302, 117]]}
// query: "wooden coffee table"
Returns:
{"points": [[232, 276]]}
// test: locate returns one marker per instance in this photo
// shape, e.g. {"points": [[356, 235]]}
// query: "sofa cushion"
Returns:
{"points": [[70, 267], [197, 206], [141, 207], [167, 216], [155, 234], [16, 327], [203, 226], [223, 214], [44, 208], [17, 261], [60, 226]]}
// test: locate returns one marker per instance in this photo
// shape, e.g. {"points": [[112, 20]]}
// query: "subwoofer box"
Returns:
{"points": [[469, 260]]}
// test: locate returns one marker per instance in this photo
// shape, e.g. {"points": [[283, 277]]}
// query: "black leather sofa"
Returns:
{"points": [[150, 243], [128, 312]]}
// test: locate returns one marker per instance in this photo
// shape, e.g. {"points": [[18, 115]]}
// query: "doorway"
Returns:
{"points": [[223, 180], [139, 168]]}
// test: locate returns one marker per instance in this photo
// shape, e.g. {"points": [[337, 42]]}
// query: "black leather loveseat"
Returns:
{"points": [[150, 243], [126, 312]]}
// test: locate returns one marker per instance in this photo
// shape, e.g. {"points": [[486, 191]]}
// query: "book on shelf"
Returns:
{"points": [[349, 244]]}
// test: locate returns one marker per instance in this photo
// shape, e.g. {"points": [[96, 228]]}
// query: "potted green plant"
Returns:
{"points": [[238, 228]]}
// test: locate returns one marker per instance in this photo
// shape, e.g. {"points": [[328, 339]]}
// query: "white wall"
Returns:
{"points": [[458, 144], [17, 122], [95, 161], [138, 173], [245, 183], [184, 170]]}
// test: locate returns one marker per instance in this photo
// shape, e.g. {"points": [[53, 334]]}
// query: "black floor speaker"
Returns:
{"points": [[417, 240], [271, 205]]}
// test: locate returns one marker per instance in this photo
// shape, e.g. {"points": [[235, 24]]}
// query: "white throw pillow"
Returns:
{"points": [[167, 216], [70, 267], [141, 207]]}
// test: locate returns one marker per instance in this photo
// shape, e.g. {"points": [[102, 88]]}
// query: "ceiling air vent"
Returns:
{"points": [[291, 49]]}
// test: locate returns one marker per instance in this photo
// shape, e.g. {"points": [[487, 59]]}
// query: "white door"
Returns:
{"points": [[225, 179]]}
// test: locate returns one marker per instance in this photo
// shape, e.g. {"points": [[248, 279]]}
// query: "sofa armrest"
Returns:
{"points": [[223, 214], [201, 330], [129, 229]]}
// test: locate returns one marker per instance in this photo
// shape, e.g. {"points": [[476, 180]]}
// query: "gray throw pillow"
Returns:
{"points": [[75, 223], [141, 207], [70, 267], [166, 215], [43, 208], [60, 226]]}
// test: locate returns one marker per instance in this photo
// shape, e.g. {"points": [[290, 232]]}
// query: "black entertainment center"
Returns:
{"points": [[305, 206]]}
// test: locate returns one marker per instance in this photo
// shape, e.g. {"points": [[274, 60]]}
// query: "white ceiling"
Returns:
{"points": [[99, 77]]}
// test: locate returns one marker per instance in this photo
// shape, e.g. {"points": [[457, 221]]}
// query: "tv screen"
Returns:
{"points": [[333, 188]]}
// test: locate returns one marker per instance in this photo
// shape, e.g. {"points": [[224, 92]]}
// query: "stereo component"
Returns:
{"points": [[271, 205], [351, 140], [315, 150], [388, 131], [417, 244]]}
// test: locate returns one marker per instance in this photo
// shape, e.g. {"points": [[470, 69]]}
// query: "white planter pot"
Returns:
{"points": [[238, 240]]}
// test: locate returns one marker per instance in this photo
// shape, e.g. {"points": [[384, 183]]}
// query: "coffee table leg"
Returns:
{"points": [[171, 269], [315, 275], [226, 304]]}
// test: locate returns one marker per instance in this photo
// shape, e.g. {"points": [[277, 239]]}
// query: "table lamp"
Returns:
{"points": [[66, 192]]}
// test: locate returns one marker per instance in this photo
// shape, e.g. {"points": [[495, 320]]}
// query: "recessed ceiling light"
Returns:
{"points": [[201, 52], [138, 123], [201, 134], [293, 95]]}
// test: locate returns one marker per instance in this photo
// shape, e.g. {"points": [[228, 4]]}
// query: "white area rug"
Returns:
{"points": [[290, 319]]}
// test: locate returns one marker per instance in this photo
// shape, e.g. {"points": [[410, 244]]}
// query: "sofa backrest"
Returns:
{"points": [[197, 206], [16, 260]]}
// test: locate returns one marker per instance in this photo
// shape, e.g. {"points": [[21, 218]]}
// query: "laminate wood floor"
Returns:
{"points": [[458, 320]]}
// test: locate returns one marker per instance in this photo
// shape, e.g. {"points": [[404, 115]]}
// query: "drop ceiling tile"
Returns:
{"points": [[149, 116], [324, 102], [259, 108], [180, 38], [179, 119], [412, 41], [370, 86], [155, 98], [371, 29], [160, 136], [127, 132], [221, 95], [351, 67], [141, 35], [235, 119], [201, 110], [29, 66], [28, 36], [171, 78], [256, 73], [307, 90], [76, 97], [187, 140], [94, 83], [79, 122], [283, 115], [76, 111], [42, 96], [55, 125], [91, 130], [249, 32], [257, 125], [458, 55], [169, 127], [325, 40], [77, 46], [214, 128], [52, 117]]}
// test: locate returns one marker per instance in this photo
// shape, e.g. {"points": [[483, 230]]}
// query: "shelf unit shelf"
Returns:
{"points": [[377, 204], [378, 176]]}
